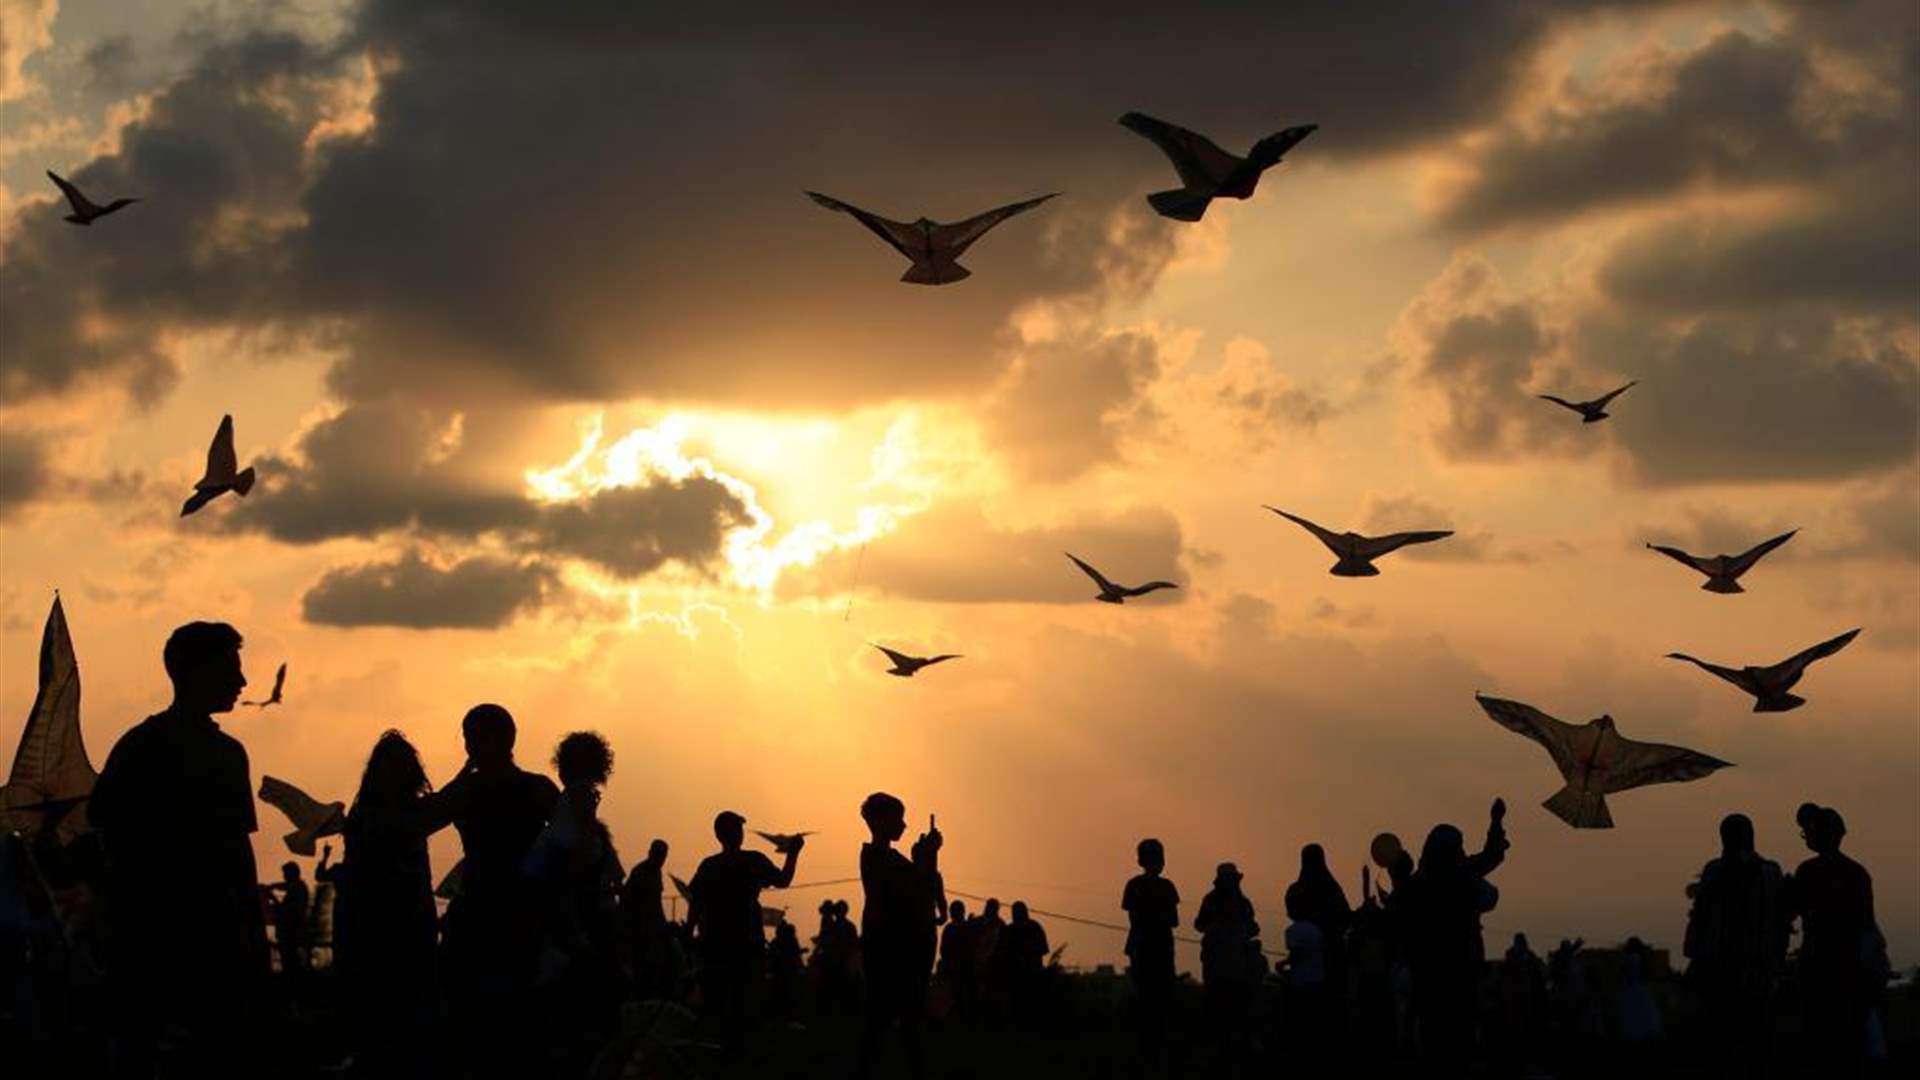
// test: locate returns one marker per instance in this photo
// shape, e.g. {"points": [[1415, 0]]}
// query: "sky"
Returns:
{"points": [[563, 395]]}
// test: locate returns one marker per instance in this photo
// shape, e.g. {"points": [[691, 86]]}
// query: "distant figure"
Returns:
{"points": [[957, 960], [1736, 944], [577, 872], [907, 666], [1152, 905], [386, 926], [1833, 896], [1226, 924], [932, 247], [223, 471], [1442, 905], [1595, 760], [1636, 1016], [1206, 171], [291, 909], [1354, 554], [175, 804], [1591, 412], [1723, 571], [85, 210], [905, 901], [1111, 593], [1769, 685], [1024, 944], [724, 909], [646, 923], [989, 964], [784, 964], [493, 927], [279, 686], [1316, 897], [1523, 1003], [1309, 993]]}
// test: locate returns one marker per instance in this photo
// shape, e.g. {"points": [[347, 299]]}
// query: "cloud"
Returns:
{"points": [[477, 593], [1408, 513], [26, 27], [23, 472], [1065, 406]]}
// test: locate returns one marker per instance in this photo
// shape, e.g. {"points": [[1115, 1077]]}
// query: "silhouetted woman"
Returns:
{"points": [[1442, 904], [1318, 898], [1226, 925], [577, 874], [384, 921]]}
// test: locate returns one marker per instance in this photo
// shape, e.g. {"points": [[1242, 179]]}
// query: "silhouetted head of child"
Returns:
{"points": [[583, 759], [886, 817], [730, 829], [489, 733], [657, 853], [203, 662], [1151, 856], [956, 912], [290, 871]]}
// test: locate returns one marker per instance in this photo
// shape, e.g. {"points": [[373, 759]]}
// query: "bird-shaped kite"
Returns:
{"points": [[312, 819], [932, 247], [51, 777], [85, 210], [1356, 553], [223, 471], [1723, 571], [1206, 171], [1596, 760], [1591, 412], [1117, 594], [784, 842], [1769, 685], [279, 684], [907, 666]]}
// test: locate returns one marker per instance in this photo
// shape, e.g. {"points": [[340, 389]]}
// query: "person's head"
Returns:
{"points": [[393, 773], [1151, 856], [840, 909], [886, 817], [992, 910], [1019, 911], [826, 910], [583, 759], [1445, 849], [956, 911], [730, 829], [1736, 835], [290, 871], [1824, 829], [1520, 943], [657, 852], [489, 733], [203, 662], [1806, 815], [1313, 861], [1296, 906], [1226, 876]]}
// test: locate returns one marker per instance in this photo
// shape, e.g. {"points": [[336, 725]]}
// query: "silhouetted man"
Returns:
{"points": [[1833, 895], [905, 901], [647, 922], [1735, 945], [493, 927], [723, 907], [956, 959], [1153, 910], [175, 804], [1024, 945], [291, 910]]}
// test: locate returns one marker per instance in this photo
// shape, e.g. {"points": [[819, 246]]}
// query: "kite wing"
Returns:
{"points": [[1557, 736], [1372, 547], [1679, 556], [80, 203], [1601, 401], [1275, 146], [903, 238], [50, 768], [1794, 666], [1561, 401], [1199, 161], [951, 240], [1744, 561], [899, 659], [1635, 764], [681, 887], [932, 660], [1334, 541], [311, 818], [222, 463], [1737, 678], [1098, 578]]}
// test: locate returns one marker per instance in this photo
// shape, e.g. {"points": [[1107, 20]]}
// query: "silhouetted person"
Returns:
{"points": [[292, 909], [578, 873], [493, 928], [1153, 911], [1441, 905], [1226, 924], [1523, 1001], [724, 910], [956, 959], [905, 902], [989, 963], [1636, 1016], [1024, 945], [1736, 943], [175, 803], [783, 972], [646, 923], [385, 923], [1307, 982], [1318, 898], [1833, 896]]}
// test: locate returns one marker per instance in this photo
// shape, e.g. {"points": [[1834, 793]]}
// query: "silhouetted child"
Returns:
{"points": [[646, 924], [783, 972], [1318, 898], [723, 907], [904, 905], [175, 803], [1307, 982], [956, 960], [1153, 910], [577, 871]]}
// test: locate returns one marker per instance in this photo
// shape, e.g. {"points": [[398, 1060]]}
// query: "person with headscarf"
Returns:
{"points": [[1317, 898], [1226, 924], [1736, 943], [1442, 903]]}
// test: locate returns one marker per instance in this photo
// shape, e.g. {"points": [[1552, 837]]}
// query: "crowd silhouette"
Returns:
{"points": [[553, 959]]}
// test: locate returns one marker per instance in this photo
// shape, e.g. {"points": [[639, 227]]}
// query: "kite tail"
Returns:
{"points": [[1778, 703], [1723, 585], [1179, 204], [1580, 809], [935, 273], [243, 483]]}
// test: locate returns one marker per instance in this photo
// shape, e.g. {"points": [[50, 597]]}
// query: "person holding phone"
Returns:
{"points": [[905, 902]]}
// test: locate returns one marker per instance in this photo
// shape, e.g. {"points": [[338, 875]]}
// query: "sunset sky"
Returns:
{"points": [[563, 395]]}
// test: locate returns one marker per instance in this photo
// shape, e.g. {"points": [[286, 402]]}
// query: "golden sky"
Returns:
{"points": [[563, 395]]}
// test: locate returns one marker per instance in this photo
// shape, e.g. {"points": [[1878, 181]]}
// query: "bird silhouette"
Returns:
{"points": [[907, 666], [1206, 171], [279, 684], [1723, 571], [312, 819], [1116, 594], [784, 842], [1596, 760], [1769, 685], [930, 245], [85, 210], [1591, 412], [223, 472], [1356, 553]]}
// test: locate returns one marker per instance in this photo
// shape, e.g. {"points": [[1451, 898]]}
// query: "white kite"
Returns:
{"points": [[51, 775], [312, 819]]}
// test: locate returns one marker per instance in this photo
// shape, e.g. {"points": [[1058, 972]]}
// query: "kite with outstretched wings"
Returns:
{"points": [[312, 819]]}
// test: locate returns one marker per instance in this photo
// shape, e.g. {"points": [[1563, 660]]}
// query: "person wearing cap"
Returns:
{"points": [[723, 908], [1226, 925]]}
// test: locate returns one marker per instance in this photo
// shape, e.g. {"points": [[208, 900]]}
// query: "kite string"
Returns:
{"points": [[854, 585]]}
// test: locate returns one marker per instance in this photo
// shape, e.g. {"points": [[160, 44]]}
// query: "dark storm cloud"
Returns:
{"points": [[479, 593], [23, 471]]}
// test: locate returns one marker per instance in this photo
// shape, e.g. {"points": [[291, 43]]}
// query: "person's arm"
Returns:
{"points": [[784, 876], [1489, 858]]}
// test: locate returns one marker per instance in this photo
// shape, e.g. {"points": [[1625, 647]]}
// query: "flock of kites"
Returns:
{"points": [[1594, 759]]}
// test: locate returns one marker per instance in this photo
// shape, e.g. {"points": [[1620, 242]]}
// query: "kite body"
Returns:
{"points": [[1355, 553], [1723, 571], [51, 777], [1206, 171], [933, 248], [1769, 685], [85, 210], [1111, 593], [223, 472], [312, 819]]}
